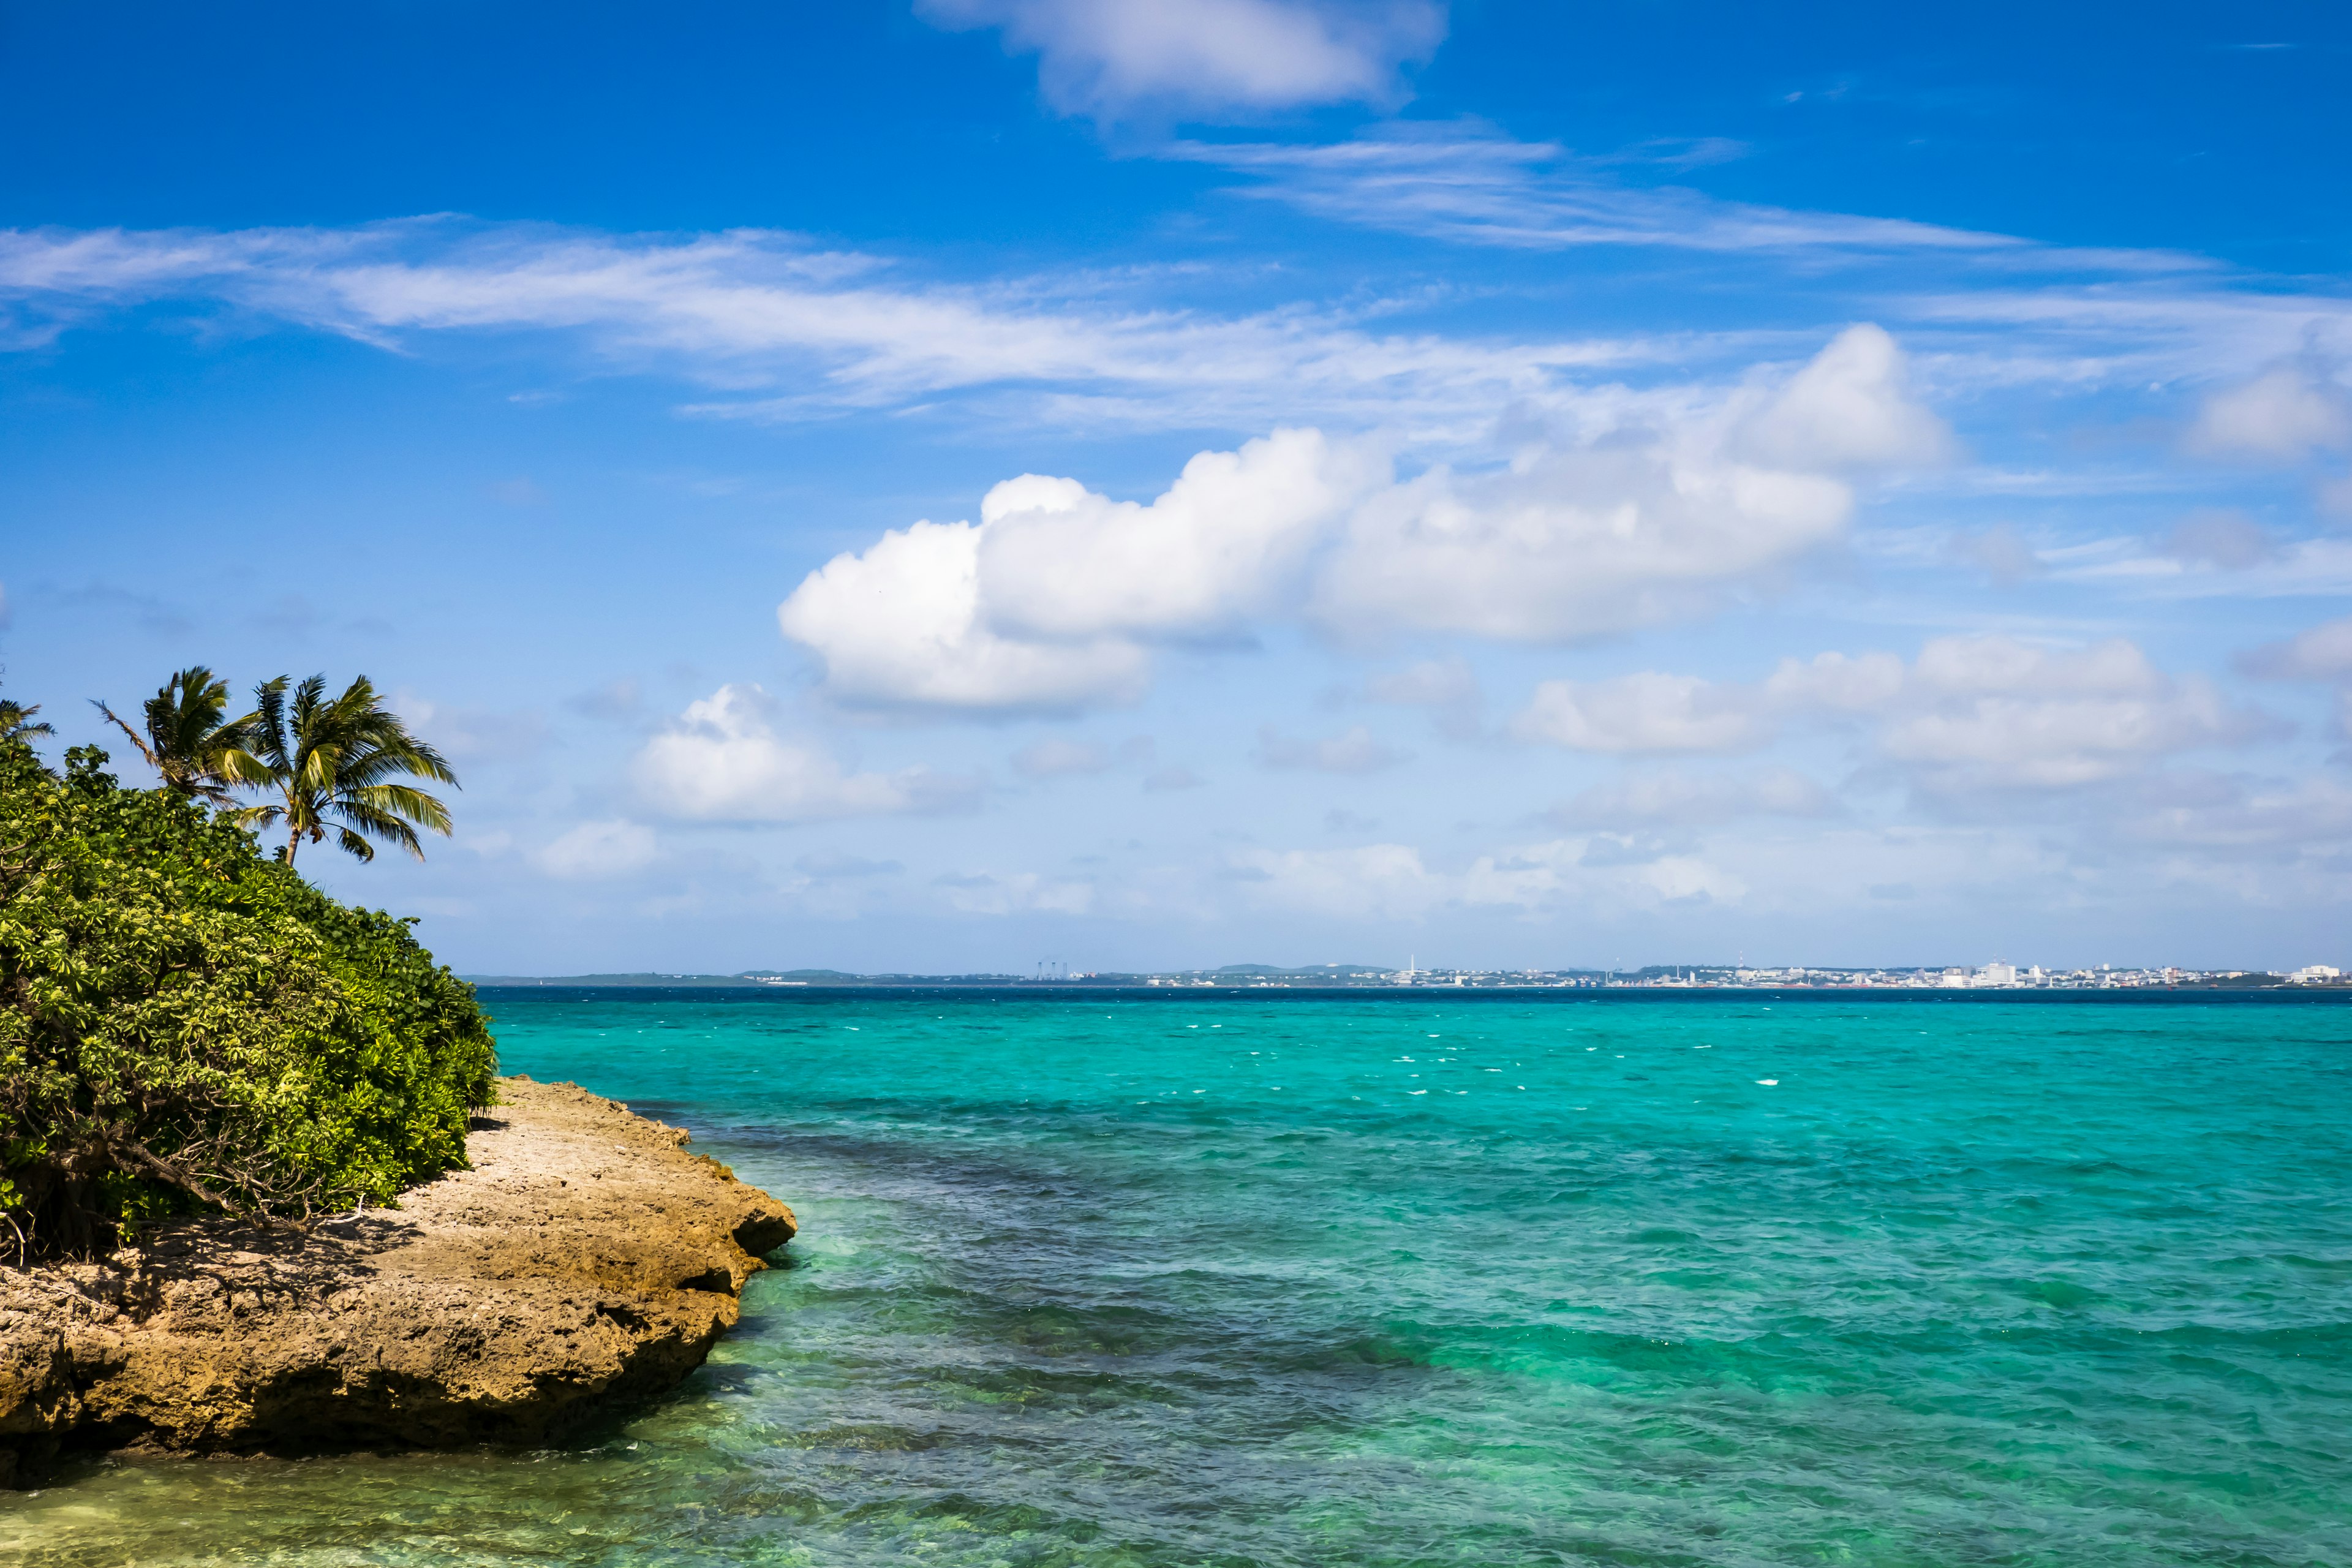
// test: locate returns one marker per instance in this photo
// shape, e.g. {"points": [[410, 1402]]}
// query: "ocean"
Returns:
{"points": [[1251, 1276]]}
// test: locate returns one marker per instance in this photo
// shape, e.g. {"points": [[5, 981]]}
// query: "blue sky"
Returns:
{"points": [[943, 485]]}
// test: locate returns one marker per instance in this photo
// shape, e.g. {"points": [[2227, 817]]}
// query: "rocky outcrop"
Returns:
{"points": [[586, 1260]]}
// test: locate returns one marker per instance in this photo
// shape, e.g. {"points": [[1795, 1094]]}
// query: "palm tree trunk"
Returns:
{"points": [[293, 842]]}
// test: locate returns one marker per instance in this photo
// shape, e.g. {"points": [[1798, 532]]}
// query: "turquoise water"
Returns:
{"points": [[1425, 1280]]}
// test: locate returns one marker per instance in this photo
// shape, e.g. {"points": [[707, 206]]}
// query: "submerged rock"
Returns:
{"points": [[586, 1260]]}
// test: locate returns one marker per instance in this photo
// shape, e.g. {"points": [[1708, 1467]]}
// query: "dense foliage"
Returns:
{"points": [[185, 1024]]}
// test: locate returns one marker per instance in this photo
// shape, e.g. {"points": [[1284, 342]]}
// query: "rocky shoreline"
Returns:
{"points": [[586, 1260]]}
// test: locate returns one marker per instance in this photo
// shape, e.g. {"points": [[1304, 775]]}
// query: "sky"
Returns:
{"points": [[950, 485]]}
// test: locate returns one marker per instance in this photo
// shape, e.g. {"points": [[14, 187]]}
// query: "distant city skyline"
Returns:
{"points": [[926, 483], [1995, 975]]}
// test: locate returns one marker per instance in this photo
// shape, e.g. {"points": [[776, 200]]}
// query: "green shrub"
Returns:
{"points": [[186, 1026]]}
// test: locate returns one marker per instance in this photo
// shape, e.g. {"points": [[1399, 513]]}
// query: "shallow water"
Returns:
{"points": [[1403, 1279]]}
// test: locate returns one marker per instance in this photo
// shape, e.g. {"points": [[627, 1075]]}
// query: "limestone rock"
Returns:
{"points": [[585, 1259]]}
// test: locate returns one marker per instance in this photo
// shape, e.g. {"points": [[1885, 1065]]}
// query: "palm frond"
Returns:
{"points": [[239, 766], [145, 751], [16, 720]]}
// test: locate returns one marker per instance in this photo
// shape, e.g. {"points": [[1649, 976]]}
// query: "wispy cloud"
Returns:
{"points": [[1467, 183], [771, 326], [786, 329]]}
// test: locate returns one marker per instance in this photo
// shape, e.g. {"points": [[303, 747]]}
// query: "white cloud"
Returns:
{"points": [[900, 626], [1991, 712], [1385, 881], [1355, 751], [834, 865], [2335, 499], [1046, 605], [1584, 543], [2284, 415], [2220, 537], [1050, 603], [723, 762], [1433, 683], [1647, 712], [1018, 892], [595, 849], [1968, 714], [1466, 184], [1391, 881], [2001, 552], [1630, 525], [1851, 407], [2323, 652], [1447, 688], [1851, 683], [1054, 758], [785, 331], [1679, 800], [2234, 815], [1058, 560], [1104, 56], [2056, 743], [471, 736]]}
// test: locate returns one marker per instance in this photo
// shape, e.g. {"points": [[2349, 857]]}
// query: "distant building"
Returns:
{"points": [[2311, 972], [1997, 973]]}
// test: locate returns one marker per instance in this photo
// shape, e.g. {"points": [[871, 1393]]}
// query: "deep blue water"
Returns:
{"points": [[1220, 1277]]}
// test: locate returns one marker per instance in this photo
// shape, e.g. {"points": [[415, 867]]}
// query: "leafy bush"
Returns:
{"points": [[186, 1026]]}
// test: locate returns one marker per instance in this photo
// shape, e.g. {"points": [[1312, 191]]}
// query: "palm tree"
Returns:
{"points": [[186, 741], [17, 724], [330, 760]]}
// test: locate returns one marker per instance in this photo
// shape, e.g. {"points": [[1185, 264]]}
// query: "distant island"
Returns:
{"points": [[1688, 977]]}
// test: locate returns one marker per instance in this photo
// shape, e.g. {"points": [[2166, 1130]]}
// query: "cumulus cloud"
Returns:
{"points": [[2001, 552], [723, 760], [2285, 414], [1673, 800], [900, 624], [1355, 751], [1106, 57], [1054, 758], [1968, 714], [1991, 712], [2323, 652], [2335, 499], [1392, 881], [1647, 712], [2219, 536], [1851, 407], [1048, 602], [1627, 526], [1059, 560], [1018, 892], [1847, 683], [598, 849], [1447, 688], [1053, 601], [2264, 817]]}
